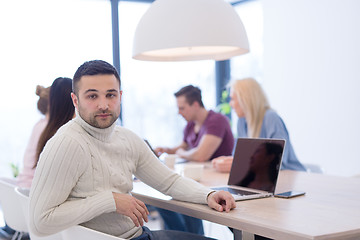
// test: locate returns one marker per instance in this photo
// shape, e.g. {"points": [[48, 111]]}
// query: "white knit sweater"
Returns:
{"points": [[79, 169]]}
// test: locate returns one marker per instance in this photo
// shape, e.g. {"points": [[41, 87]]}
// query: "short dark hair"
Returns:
{"points": [[91, 68], [192, 94]]}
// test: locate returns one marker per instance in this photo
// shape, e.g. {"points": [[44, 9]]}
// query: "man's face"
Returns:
{"points": [[98, 100], [186, 110]]}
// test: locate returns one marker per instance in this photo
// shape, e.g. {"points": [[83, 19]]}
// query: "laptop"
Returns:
{"points": [[255, 168]]}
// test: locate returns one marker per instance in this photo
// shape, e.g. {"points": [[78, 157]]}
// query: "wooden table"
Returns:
{"points": [[329, 210]]}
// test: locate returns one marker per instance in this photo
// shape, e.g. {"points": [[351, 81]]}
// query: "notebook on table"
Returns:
{"points": [[255, 168]]}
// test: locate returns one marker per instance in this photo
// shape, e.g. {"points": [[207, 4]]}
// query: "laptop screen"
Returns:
{"points": [[256, 163], [147, 143]]}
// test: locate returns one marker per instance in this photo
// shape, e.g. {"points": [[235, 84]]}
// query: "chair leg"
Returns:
{"points": [[20, 235], [15, 236]]}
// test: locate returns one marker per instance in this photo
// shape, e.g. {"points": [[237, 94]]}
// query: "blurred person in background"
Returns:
{"points": [[26, 175], [61, 110], [257, 120], [207, 135], [55, 104]]}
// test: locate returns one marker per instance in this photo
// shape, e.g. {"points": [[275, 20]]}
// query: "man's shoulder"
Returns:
{"points": [[72, 131], [123, 130], [217, 117], [125, 133], [216, 124]]}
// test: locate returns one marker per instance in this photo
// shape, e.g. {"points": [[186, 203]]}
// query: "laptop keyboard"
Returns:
{"points": [[235, 191]]}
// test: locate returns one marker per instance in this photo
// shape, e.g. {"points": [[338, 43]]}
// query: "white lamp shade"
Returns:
{"points": [[182, 30]]}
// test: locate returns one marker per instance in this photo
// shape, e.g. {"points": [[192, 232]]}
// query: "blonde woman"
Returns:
{"points": [[257, 120]]}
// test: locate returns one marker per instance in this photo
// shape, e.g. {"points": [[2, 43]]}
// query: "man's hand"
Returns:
{"points": [[221, 201], [161, 150], [131, 207]]}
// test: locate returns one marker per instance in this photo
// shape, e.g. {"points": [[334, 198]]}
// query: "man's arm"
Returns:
{"points": [[152, 172], [60, 168], [160, 150], [203, 152]]}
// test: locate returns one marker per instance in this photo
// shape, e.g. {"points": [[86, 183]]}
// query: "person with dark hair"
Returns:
{"points": [[85, 172], [56, 104], [26, 175], [61, 111], [192, 94], [207, 135]]}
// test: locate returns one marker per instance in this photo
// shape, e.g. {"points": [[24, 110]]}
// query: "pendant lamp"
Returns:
{"points": [[185, 30]]}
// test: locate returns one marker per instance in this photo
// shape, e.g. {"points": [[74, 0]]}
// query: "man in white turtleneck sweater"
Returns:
{"points": [[84, 175]]}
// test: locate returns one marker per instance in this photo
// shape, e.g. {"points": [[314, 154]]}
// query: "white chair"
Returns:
{"points": [[13, 213], [23, 197], [80, 232]]}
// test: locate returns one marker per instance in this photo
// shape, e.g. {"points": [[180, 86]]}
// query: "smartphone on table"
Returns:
{"points": [[289, 194]]}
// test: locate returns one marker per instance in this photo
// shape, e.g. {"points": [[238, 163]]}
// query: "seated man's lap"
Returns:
{"points": [[169, 235], [179, 222]]}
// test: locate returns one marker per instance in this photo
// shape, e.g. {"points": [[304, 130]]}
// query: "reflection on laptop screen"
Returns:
{"points": [[256, 163]]}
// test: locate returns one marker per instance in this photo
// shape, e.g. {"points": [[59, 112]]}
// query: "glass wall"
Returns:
{"points": [[40, 41], [149, 106], [250, 64]]}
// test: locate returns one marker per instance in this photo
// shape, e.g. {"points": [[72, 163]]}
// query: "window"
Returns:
{"points": [[43, 40], [250, 64], [149, 104]]}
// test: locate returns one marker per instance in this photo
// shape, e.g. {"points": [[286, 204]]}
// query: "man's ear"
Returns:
{"points": [[196, 104], [75, 100]]}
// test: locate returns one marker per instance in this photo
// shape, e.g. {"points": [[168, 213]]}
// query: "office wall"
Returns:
{"points": [[312, 78]]}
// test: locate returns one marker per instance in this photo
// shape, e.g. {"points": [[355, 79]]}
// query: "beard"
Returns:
{"points": [[95, 120]]}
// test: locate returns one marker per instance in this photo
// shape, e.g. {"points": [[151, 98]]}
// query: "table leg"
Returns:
{"points": [[237, 234], [241, 235], [247, 236]]}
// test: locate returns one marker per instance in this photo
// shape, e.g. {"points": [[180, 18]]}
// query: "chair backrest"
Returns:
{"points": [[13, 213], [23, 196], [80, 232]]}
